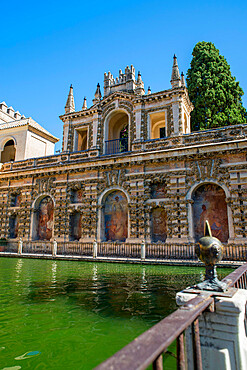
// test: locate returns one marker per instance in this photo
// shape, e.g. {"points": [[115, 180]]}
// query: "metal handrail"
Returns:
{"points": [[149, 346], [116, 146]]}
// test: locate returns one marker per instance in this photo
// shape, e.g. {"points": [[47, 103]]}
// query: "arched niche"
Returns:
{"points": [[8, 153], [43, 219], [117, 132], [115, 213], [13, 226], [158, 225], [209, 203], [75, 226]]}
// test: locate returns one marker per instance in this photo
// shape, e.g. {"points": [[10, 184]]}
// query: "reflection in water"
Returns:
{"points": [[18, 268], [110, 294], [53, 272], [144, 281]]}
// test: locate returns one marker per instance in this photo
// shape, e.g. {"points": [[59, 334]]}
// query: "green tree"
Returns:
{"points": [[215, 93]]}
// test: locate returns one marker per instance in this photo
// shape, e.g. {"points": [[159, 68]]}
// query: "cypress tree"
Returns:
{"points": [[215, 93]]}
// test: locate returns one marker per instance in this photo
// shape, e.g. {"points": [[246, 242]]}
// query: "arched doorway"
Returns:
{"points": [[210, 204], [43, 220], [117, 133], [158, 225], [116, 216], [8, 153], [75, 226]]}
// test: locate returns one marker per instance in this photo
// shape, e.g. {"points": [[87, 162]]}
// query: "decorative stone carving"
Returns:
{"points": [[45, 185]]}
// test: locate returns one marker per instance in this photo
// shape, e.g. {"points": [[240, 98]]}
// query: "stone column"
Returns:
{"points": [[222, 332], [96, 118], [190, 203], [230, 221], [138, 117]]}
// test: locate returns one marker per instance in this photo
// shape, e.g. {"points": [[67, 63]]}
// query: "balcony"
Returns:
{"points": [[116, 146]]}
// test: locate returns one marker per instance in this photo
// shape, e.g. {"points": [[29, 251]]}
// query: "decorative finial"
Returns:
{"points": [[210, 251], [175, 79], [149, 90], [84, 103], [182, 80], [97, 95], [139, 90], [70, 104]]}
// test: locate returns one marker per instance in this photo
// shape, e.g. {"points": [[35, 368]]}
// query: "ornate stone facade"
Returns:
{"points": [[109, 157]]}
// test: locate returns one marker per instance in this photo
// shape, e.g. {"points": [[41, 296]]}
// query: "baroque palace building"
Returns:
{"points": [[130, 170]]}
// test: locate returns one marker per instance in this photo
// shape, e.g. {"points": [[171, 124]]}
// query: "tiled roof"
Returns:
{"points": [[23, 122]]}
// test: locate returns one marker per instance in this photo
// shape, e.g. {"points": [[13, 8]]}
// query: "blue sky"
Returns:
{"points": [[45, 46]]}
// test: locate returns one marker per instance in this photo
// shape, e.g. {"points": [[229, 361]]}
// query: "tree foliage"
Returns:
{"points": [[214, 92]]}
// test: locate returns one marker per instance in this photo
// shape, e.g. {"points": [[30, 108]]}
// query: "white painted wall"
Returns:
{"points": [[27, 143]]}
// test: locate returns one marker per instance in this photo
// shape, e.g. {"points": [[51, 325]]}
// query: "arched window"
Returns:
{"points": [[117, 133], [116, 216], [210, 204], [158, 225], [8, 153], [75, 226], [157, 125], [43, 220]]}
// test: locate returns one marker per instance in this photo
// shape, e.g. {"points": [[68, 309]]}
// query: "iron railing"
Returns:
{"points": [[116, 146], [150, 346]]}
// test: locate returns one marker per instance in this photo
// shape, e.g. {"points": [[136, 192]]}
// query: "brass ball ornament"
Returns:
{"points": [[210, 251]]}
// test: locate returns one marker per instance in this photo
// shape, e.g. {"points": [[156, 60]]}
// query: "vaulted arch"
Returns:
{"points": [[8, 152]]}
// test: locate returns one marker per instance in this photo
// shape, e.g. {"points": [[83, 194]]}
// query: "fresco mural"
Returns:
{"points": [[158, 225], [76, 196], [158, 191], [45, 219], [75, 226], [210, 204], [13, 226], [116, 216]]}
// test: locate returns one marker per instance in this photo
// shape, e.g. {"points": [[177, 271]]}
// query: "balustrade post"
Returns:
{"points": [[54, 248], [20, 245], [143, 250], [95, 249]]}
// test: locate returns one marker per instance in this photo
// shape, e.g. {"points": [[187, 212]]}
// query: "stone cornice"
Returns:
{"points": [[188, 153], [136, 99]]}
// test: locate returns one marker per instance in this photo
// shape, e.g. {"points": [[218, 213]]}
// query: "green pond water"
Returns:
{"points": [[74, 315]]}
